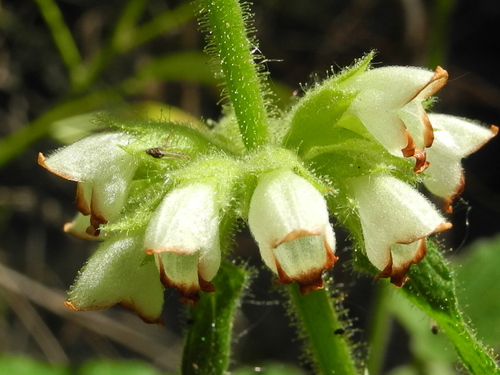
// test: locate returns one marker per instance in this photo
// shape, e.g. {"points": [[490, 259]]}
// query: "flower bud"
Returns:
{"points": [[395, 219], [289, 219], [184, 236], [103, 171], [119, 272]]}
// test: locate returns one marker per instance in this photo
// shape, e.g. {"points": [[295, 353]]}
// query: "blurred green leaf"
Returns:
{"points": [[432, 288], [27, 366], [479, 288], [270, 369], [107, 367], [430, 348]]}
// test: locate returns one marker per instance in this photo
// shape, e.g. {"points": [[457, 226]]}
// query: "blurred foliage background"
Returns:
{"points": [[61, 62]]}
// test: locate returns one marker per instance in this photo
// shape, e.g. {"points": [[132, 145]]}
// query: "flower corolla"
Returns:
{"points": [[389, 104], [395, 219], [183, 235], [103, 171], [455, 138], [288, 218]]}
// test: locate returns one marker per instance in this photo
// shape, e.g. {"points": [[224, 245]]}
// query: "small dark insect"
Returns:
{"points": [[159, 152], [339, 331], [434, 328]]}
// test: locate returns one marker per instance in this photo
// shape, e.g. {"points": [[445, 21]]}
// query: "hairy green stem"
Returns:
{"points": [[319, 323], [207, 345], [379, 332], [228, 39]]}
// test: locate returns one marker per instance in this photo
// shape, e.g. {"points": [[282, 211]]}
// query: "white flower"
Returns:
{"points": [[455, 138], [289, 219], [184, 236], [103, 171], [395, 219], [389, 105]]}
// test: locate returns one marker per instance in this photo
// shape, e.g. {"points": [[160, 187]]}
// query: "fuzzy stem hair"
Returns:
{"points": [[225, 25]]}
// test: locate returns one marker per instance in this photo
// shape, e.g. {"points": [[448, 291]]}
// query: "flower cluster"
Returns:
{"points": [[355, 147]]}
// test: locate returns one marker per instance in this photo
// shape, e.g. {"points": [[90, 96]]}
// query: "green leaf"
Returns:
{"points": [[432, 288], [108, 367], [207, 346], [27, 366], [478, 288]]}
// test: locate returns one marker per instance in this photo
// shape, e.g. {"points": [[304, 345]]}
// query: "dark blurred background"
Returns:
{"points": [[301, 40]]}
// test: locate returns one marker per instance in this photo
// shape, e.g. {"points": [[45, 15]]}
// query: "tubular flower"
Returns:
{"points": [[119, 273], [455, 139], [389, 104], [184, 237], [289, 219], [395, 219], [103, 171]]}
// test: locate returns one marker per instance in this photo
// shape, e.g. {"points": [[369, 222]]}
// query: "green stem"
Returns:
{"points": [[320, 324], [62, 37], [379, 334], [208, 342], [228, 38]]}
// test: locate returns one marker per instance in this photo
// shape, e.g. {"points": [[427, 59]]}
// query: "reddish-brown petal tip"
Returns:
{"points": [[312, 280], [437, 81], [494, 130], [428, 129], [398, 274], [41, 161], [447, 203], [409, 149], [421, 163]]}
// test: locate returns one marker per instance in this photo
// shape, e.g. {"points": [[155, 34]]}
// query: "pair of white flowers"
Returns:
{"points": [[287, 215]]}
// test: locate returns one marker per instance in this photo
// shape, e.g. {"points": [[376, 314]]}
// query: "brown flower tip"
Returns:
{"points": [[428, 129], [41, 161], [124, 304], [397, 273], [436, 83], [421, 163], [189, 292], [409, 149], [311, 280], [447, 203]]}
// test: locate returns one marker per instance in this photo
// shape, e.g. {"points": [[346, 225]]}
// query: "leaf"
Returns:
{"points": [[478, 288], [27, 366], [107, 367], [432, 288]]}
